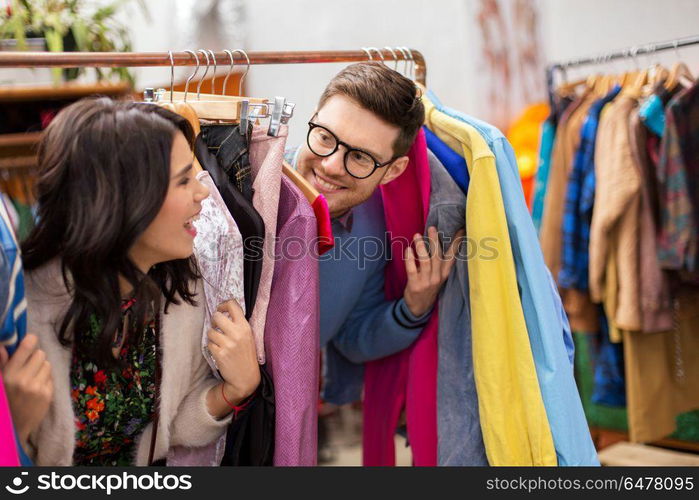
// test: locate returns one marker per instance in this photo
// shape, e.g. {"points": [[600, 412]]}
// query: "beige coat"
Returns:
{"points": [[617, 215], [186, 377]]}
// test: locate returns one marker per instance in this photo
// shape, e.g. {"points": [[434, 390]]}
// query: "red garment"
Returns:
{"points": [[409, 378], [325, 229]]}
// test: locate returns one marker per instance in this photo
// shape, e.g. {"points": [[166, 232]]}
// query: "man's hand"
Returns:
{"points": [[427, 274]]}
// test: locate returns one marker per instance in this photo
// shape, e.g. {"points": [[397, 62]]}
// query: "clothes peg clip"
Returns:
{"points": [[276, 114], [244, 119], [288, 112]]}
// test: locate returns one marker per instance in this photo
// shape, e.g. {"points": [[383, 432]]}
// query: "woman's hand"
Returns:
{"points": [[233, 348], [28, 384]]}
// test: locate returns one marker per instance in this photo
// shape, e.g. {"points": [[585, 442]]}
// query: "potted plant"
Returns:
{"points": [[69, 25]]}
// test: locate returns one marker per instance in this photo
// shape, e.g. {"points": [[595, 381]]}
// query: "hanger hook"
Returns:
{"points": [[368, 53], [189, 79], [634, 52], [247, 69], [383, 59], [395, 57], [676, 45], [213, 80], [172, 73], [201, 80], [405, 60], [412, 61], [230, 70]]}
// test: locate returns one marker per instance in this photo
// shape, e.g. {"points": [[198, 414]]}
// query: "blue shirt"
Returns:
{"points": [[580, 197], [357, 324], [548, 136], [550, 337], [652, 113], [13, 310], [451, 160]]}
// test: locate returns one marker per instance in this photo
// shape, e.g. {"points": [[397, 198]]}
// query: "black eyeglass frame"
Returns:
{"points": [[348, 149]]}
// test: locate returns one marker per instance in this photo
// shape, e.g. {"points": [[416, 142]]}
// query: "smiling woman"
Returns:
{"points": [[111, 288]]}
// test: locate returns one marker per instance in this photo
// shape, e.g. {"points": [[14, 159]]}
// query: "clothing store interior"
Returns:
{"points": [[311, 233]]}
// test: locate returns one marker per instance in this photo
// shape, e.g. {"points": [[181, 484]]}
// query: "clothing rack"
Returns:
{"points": [[134, 59], [629, 52]]}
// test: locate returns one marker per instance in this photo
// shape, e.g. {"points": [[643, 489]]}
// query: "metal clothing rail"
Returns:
{"points": [[629, 52], [134, 59]]}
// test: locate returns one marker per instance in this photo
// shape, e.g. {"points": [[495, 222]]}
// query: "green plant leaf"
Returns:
{"points": [[80, 33], [54, 42]]}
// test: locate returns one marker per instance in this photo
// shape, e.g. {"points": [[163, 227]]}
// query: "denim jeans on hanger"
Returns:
{"points": [[231, 149]]}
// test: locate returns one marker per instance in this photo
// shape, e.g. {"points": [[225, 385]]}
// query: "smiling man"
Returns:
{"points": [[358, 139]]}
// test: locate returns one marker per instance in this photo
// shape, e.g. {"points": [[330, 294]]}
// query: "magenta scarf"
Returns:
{"points": [[407, 379], [8, 450]]}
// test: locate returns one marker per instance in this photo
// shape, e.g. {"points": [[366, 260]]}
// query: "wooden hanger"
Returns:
{"points": [[185, 110], [679, 70], [635, 84], [309, 192]]}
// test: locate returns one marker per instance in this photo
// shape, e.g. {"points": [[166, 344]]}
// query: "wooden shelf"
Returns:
{"points": [[66, 91], [19, 140], [19, 162]]}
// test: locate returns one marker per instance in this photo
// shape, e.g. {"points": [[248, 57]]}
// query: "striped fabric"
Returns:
{"points": [[13, 310]]}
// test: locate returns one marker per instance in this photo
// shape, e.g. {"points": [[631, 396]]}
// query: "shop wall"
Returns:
{"points": [[574, 28], [485, 57]]}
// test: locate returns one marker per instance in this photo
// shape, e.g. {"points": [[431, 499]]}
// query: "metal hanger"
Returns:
{"points": [[230, 70], [189, 79], [213, 80], [406, 61], [368, 53], [247, 69], [383, 59], [201, 80], [395, 57]]}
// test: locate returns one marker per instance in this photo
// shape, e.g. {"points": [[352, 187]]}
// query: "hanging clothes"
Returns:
{"points": [[541, 178], [566, 143], [616, 218], [577, 217], [13, 309], [218, 248], [515, 426], [266, 157], [248, 220], [455, 164], [559, 104], [549, 333], [662, 373], [457, 398], [292, 330], [230, 146], [326, 240], [656, 300], [609, 382], [408, 378], [678, 173]]}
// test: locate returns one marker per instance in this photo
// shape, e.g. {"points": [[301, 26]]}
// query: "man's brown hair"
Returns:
{"points": [[384, 92]]}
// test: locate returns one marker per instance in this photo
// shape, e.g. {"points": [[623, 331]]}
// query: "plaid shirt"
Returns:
{"points": [[678, 176], [580, 197]]}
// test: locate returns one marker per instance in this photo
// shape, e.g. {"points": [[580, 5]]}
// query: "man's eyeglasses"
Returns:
{"points": [[359, 164]]}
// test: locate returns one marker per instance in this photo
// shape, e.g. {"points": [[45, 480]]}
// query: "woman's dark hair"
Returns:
{"points": [[104, 172]]}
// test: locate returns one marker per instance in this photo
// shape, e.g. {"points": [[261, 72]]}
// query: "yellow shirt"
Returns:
{"points": [[513, 418]]}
